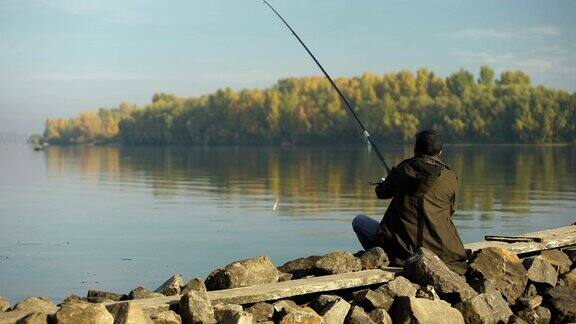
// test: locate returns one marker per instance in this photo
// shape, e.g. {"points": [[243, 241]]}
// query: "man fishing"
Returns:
{"points": [[423, 192]]}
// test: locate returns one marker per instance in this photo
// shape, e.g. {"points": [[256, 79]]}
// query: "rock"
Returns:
{"points": [[37, 304], [166, 317], [261, 311], [72, 299], [104, 295], [374, 258], [544, 315], [259, 270], [358, 316], [571, 253], [195, 307], [232, 314], [530, 291], [284, 276], [496, 268], [83, 312], [540, 271], [34, 318], [282, 306], [528, 302], [529, 315], [485, 308], [301, 316], [333, 309], [570, 279], [97, 300], [420, 310], [301, 267], [195, 284], [323, 301], [338, 262], [558, 259], [425, 268], [171, 286], [127, 313], [143, 293], [427, 292], [380, 316], [562, 304], [400, 286], [4, 304], [370, 300], [516, 320]]}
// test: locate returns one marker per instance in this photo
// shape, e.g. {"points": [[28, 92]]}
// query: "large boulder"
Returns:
{"points": [[195, 307], [171, 286], [338, 262], [538, 315], [128, 313], [374, 258], [261, 311], [427, 292], [300, 267], [370, 300], [570, 279], [380, 316], [399, 286], [540, 271], [357, 315], [424, 311], [335, 312], [496, 268], [4, 304], [34, 318], [259, 270], [560, 260], [485, 308], [37, 304], [299, 315], [561, 301], [232, 314], [71, 299], [195, 284], [166, 317], [83, 312], [426, 268], [103, 295], [143, 293]]}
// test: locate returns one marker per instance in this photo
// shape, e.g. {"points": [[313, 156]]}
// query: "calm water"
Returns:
{"points": [[111, 218]]}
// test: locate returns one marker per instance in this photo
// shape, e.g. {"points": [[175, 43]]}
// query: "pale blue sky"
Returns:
{"points": [[60, 57]]}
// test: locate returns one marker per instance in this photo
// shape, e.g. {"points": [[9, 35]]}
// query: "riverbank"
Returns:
{"points": [[516, 279]]}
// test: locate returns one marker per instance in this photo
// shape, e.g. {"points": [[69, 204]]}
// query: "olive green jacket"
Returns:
{"points": [[423, 192]]}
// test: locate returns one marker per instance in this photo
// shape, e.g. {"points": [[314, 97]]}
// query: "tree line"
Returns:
{"points": [[307, 110]]}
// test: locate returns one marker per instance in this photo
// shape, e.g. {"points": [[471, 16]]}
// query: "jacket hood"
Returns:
{"points": [[421, 173]]}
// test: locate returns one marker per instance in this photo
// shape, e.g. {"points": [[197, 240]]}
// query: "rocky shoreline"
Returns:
{"points": [[499, 287]]}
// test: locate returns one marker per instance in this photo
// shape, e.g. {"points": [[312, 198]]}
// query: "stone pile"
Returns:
{"points": [[498, 287]]}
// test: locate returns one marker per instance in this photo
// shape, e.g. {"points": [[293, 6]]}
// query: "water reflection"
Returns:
{"points": [[494, 181]]}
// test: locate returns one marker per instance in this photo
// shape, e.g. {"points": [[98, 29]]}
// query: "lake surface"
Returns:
{"points": [[112, 218]]}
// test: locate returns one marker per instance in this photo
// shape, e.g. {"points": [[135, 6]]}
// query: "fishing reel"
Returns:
{"points": [[375, 183]]}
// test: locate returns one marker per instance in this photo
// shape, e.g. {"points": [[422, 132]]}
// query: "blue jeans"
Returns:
{"points": [[366, 228]]}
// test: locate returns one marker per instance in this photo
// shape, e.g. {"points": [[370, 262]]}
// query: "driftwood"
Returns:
{"points": [[279, 290], [531, 242]]}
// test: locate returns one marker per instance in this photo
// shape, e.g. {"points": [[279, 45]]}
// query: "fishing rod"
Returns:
{"points": [[364, 131]]}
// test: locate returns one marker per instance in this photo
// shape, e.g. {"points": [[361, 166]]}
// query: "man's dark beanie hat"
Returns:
{"points": [[429, 142]]}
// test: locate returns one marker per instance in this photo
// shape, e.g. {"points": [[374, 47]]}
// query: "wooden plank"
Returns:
{"points": [[550, 239], [511, 239], [279, 290]]}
